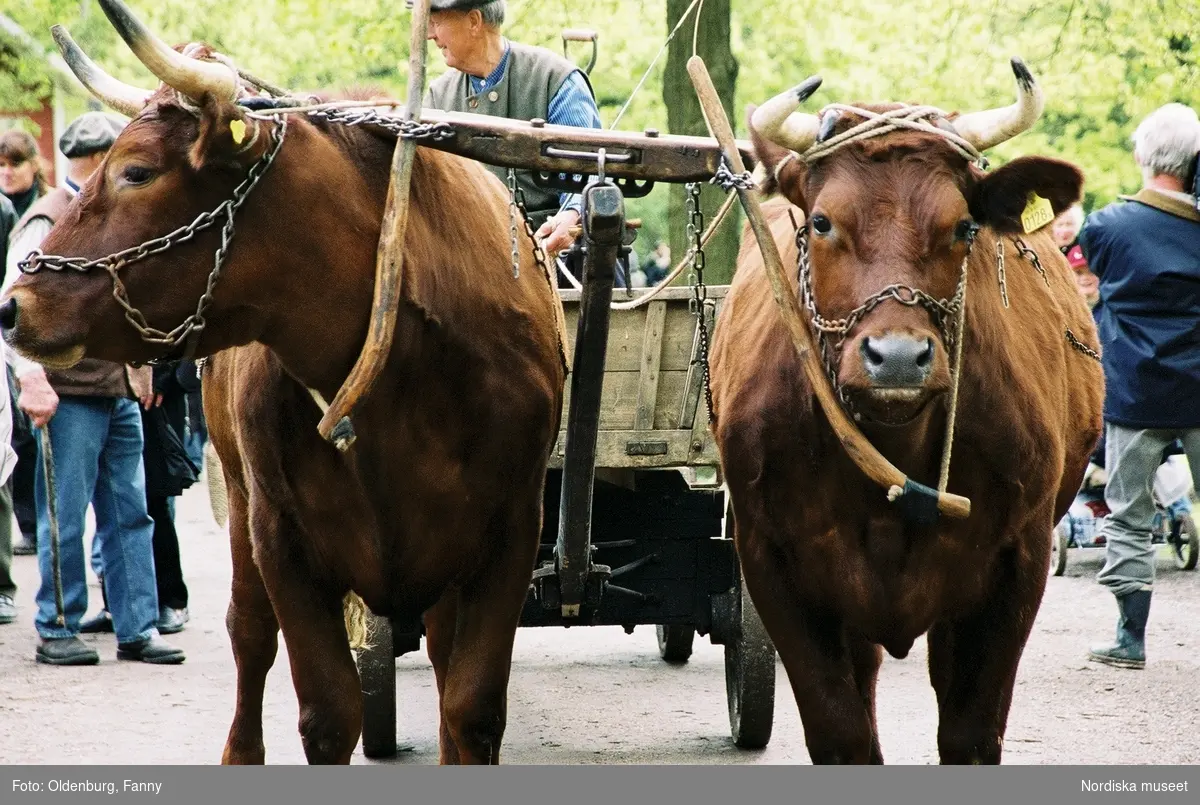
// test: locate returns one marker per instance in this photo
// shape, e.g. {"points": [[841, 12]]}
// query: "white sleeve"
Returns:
{"points": [[29, 239], [8, 456]]}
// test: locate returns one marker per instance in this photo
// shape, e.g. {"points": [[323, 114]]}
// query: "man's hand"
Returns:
{"points": [[555, 234], [36, 397]]}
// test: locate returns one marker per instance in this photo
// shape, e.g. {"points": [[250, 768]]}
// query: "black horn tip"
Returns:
{"points": [[121, 18], [1024, 77], [829, 122], [805, 90]]}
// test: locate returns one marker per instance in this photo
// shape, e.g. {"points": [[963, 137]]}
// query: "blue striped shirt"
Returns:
{"points": [[572, 105]]}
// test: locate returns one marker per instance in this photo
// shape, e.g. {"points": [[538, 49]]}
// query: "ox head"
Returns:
{"points": [[185, 151], [890, 222]]}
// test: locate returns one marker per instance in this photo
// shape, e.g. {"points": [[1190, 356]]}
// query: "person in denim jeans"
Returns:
{"points": [[90, 415]]}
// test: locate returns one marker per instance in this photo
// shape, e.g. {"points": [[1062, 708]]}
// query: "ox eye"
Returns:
{"points": [[136, 174], [965, 229], [821, 225]]}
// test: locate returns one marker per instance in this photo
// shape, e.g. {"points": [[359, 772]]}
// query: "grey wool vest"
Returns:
{"points": [[539, 74]]}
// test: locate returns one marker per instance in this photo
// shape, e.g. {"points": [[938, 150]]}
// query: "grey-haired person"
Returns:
{"points": [[1145, 250], [491, 75]]}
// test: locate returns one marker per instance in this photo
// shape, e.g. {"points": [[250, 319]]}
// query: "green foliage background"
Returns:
{"points": [[1104, 64]]}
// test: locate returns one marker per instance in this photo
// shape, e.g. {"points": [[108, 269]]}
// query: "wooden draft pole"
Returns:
{"points": [[861, 451], [335, 425]]}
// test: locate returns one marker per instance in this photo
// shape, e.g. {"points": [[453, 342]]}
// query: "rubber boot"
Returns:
{"points": [[1129, 650]]}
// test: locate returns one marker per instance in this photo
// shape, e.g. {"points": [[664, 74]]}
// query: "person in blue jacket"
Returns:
{"points": [[1145, 250]]}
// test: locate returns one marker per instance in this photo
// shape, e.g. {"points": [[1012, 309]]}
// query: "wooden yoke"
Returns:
{"points": [[335, 425], [861, 451]]}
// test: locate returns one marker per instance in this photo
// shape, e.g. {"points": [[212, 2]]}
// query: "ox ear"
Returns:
{"points": [[227, 137], [782, 172], [999, 198]]}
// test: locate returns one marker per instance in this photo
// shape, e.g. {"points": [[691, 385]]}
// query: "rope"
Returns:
{"points": [[952, 415], [684, 261], [682, 18], [52, 501], [879, 123]]}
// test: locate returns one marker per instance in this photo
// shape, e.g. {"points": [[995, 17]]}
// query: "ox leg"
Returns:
{"points": [[254, 633], [474, 702], [973, 664], [439, 641], [832, 675], [310, 615], [867, 657]]}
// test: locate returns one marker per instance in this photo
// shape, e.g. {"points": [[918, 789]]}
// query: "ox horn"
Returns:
{"points": [[190, 77], [778, 121], [126, 99], [993, 126]]}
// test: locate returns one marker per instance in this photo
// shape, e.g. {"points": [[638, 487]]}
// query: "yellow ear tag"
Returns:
{"points": [[238, 129], [1038, 213]]}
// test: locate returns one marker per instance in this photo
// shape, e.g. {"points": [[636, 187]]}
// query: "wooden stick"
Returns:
{"points": [[335, 425], [861, 451]]}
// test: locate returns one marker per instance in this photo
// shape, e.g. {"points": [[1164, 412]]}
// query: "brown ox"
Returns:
{"points": [[437, 507], [834, 570]]}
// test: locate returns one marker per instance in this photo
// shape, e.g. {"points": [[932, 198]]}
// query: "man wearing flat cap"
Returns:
{"points": [[490, 75], [90, 414]]}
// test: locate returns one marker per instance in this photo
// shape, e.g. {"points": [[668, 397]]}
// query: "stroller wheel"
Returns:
{"points": [[1186, 543], [1058, 550]]}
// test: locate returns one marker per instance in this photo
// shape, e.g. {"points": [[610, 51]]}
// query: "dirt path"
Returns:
{"points": [[597, 695]]}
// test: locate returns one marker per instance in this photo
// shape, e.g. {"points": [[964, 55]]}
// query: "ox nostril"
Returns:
{"points": [[8, 314], [926, 356], [872, 356]]}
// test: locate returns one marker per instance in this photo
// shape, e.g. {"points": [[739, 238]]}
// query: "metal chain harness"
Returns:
{"points": [[517, 204], [699, 304], [193, 326], [943, 312], [1029, 254], [405, 129]]}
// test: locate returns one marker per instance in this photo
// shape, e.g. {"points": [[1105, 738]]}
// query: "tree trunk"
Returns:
{"points": [[685, 117]]}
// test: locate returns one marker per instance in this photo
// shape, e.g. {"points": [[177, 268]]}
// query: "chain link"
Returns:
{"points": [[406, 129], [1082, 347], [943, 312], [1030, 255], [194, 324], [539, 253], [699, 303], [512, 221], [1000, 272], [728, 180]]}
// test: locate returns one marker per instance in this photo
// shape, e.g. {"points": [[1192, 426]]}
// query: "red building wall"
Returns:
{"points": [[44, 118]]}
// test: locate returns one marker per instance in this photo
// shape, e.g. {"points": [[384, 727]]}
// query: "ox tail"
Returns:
{"points": [[358, 625], [218, 498]]}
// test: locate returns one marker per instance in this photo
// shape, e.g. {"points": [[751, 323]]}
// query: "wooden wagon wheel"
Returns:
{"points": [[377, 675], [749, 675], [675, 642], [749, 661]]}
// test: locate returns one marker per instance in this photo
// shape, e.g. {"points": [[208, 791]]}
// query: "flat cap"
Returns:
{"points": [[89, 133], [451, 5]]}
